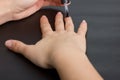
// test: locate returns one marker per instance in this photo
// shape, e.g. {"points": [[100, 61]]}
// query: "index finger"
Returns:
{"points": [[45, 26]]}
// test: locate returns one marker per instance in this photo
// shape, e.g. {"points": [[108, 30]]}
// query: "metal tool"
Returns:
{"points": [[65, 3]]}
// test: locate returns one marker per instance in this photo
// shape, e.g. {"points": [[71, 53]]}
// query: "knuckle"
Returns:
{"points": [[46, 30], [24, 49], [59, 22], [20, 48], [15, 46]]}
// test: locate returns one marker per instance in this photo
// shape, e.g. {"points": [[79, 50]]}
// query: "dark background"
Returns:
{"points": [[103, 40]]}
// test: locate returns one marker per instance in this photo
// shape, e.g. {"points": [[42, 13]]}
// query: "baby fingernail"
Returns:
{"points": [[8, 43], [84, 21]]}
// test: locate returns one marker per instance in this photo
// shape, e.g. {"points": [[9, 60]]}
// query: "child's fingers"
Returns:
{"points": [[69, 26], [17, 46], [45, 26], [82, 28], [59, 24]]}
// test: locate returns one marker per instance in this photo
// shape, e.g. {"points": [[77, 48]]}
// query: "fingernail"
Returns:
{"points": [[8, 43], [84, 21], [59, 13], [43, 16]]}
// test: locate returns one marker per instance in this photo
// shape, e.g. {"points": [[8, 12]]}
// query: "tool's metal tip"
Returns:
{"points": [[66, 11], [66, 3]]}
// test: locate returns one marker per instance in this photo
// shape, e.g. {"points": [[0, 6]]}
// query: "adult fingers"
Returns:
{"points": [[29, 11]]}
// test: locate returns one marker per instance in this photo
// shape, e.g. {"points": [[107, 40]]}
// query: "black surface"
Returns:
{"points": [[103, 37], [103, 17], [14, 66]]}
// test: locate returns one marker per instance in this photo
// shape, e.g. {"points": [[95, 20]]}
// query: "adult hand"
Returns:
{"points": [[53, 43], [19, 9], [24, 8]]}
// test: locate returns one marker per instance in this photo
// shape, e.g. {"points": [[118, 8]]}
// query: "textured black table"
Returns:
{"points": [[14, 66], [103, 39]]}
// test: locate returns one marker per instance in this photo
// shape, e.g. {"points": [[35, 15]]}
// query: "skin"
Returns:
{"points": [[19, 9], [62, 49]]}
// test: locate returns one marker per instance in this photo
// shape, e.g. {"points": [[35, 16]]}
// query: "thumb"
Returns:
{"points": [[17, 46], [27, 51]]}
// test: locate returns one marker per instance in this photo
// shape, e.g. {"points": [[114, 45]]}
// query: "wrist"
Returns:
{"points": [[67, 63], [76, 64], [59, 57], [5, 12]]}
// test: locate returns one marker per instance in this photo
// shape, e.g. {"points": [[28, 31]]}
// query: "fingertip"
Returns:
{"points": [[43, 17], [69, 26], [59, 23], [59, 14], [83, 24], [9, 43], [82, 28], [84, 21]]}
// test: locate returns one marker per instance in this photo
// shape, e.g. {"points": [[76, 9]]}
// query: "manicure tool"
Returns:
{"points": [[65, 3]]}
